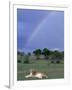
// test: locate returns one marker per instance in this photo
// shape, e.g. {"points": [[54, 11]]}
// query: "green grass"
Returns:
{"points": [[53, 70]]}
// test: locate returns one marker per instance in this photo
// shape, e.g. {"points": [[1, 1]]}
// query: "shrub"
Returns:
{"points": [[26, 59], [57, 62], [52, 61], [19, 61]]}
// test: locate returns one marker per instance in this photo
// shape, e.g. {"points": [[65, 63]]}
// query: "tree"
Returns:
{"points": [[20, 53], [46, 52], [37, 52], [51, 55], [62, 55], [29, 54], [58, 55]]}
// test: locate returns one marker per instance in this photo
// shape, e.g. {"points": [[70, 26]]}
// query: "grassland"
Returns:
{"points": [[53, 70]]}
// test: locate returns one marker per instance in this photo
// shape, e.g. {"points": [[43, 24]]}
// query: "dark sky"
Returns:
{"points": [[40, 29]]}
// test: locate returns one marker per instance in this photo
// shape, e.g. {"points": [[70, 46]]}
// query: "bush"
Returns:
{"points": [[52, 61], [26, 59], [57, 62], [19, 61]]}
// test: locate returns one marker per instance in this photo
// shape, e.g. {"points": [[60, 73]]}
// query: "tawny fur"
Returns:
{"points": [[34, 73]]}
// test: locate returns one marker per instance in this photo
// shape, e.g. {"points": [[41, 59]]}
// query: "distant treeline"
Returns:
{"points": [[48, 54]]}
